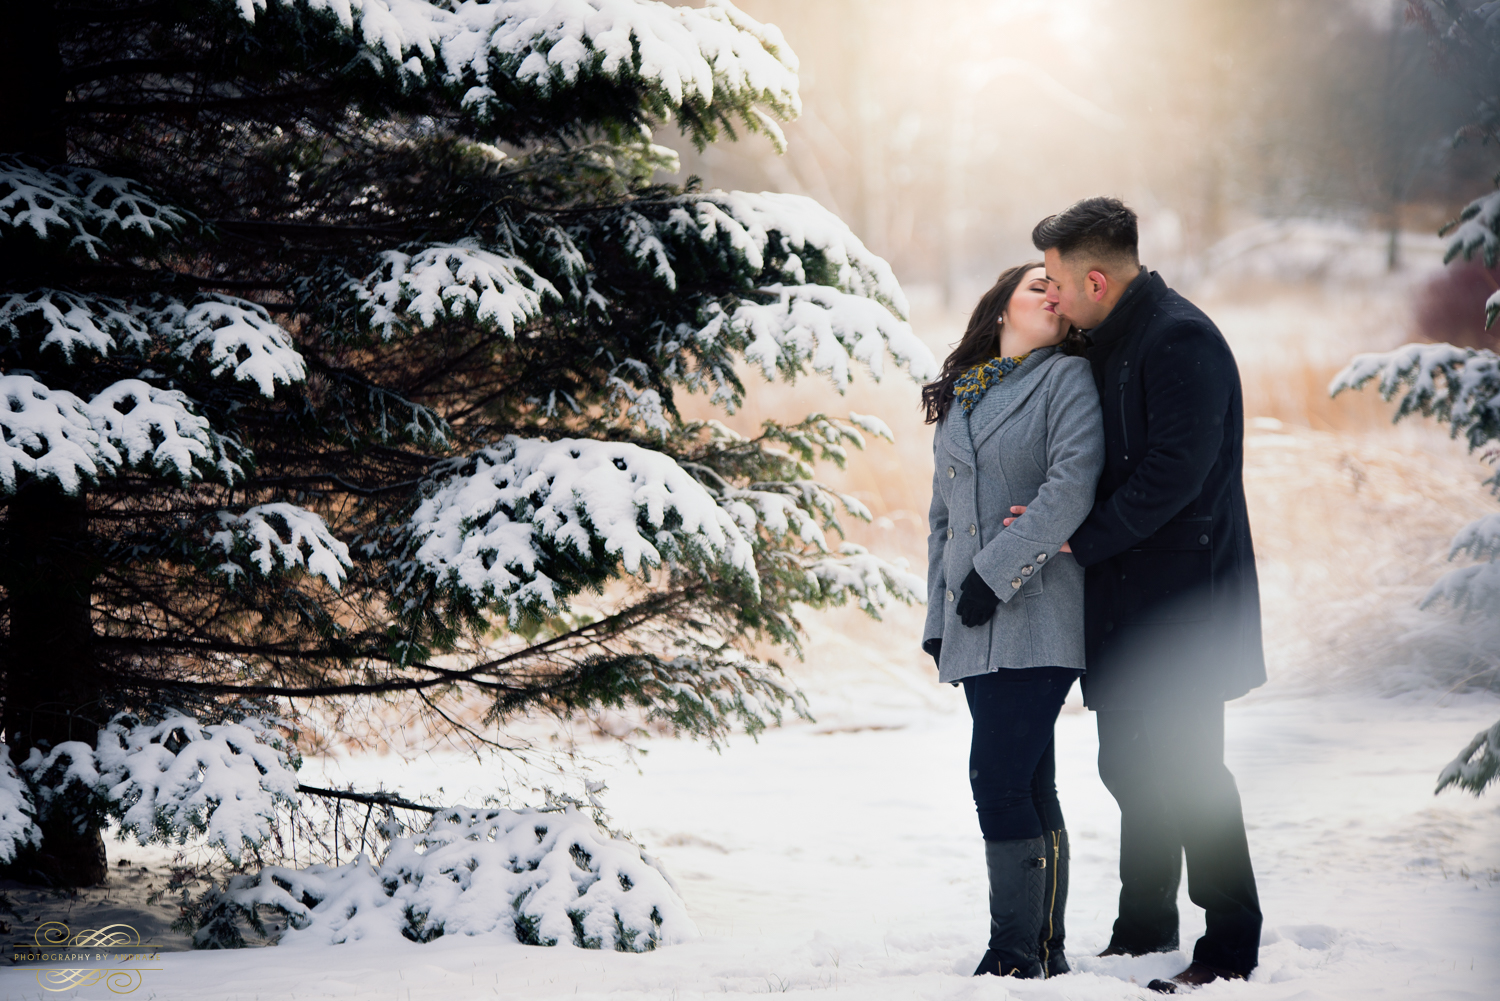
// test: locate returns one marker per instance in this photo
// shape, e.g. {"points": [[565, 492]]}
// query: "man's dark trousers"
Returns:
{"points": [[1165, 769]]}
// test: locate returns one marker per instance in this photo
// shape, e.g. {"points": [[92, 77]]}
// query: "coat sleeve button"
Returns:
{"points": [[950, 595], [950, 533], [1041, 557], [952, 472], [1202, 540], [1016, 582], [1026, 570], [972, 530]]}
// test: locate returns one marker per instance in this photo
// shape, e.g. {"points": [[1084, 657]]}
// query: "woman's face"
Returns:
{"points": [[1030, 321]]}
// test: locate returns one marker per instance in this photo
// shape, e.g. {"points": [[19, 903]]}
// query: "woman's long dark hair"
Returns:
{"points": [[981, 341]]}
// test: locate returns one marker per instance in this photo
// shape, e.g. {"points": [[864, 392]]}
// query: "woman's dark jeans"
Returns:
{"points": [[1011, 765]]}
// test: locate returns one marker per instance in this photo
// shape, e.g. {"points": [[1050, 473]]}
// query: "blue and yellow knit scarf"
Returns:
{"points": [[969, 388]]}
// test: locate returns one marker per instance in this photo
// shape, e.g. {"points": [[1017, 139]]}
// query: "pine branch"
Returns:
{"points": [[122, 67], [368, 798]]}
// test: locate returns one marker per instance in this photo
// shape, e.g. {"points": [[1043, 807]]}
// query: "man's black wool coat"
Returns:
{"points": [[1172, 604]]}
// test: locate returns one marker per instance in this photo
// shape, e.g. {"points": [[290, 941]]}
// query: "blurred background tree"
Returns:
{"points": [[1457, 385]]}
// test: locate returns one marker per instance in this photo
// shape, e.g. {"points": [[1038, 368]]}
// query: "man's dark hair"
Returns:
{"points": [[1097, 226]]}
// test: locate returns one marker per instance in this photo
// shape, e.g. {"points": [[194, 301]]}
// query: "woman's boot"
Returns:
{"points": [[1056, 845], [1018, 883]]}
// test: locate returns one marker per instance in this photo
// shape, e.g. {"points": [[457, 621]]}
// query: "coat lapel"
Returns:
{"points": [[956, 435], [1013, 407]]}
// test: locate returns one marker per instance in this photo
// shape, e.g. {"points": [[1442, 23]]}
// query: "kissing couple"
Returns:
{"points": [[1088, 522]]}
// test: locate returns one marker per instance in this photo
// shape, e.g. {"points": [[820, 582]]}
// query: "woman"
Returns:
{"points": [[1018, 423]]}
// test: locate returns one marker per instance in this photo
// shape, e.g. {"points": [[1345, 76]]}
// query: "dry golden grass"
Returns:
{"points": [[1351, 529]]}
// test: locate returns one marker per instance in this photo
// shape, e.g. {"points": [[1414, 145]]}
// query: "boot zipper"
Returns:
{"points": [[1051, 901]]}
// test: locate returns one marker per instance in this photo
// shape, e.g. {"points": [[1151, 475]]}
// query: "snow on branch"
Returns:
{"points": [[1459, 386], [1478, 539], [514, 523], [234, 337], [481, 54], [71, 323], [1476, 230], [868, 579], [17, 812], [828, 299], [156, 429], [1474, 589], [444, 281], [64, 781], [49, 434], [279, 536], [820, 327], [790, 228], [535, 877], [872, 425], [1476, 766], [86, 207], [167, 780]]}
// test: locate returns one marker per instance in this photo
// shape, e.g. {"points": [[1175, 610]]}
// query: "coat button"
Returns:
{"points": [[1041, 557], [950, 595], [1016, 582], [1202, 540], [950, 533], [1026, 570], [952, 472], [971, 529]]}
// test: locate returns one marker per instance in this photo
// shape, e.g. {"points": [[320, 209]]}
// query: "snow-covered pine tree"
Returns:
{"points": [[341, 344], [1459, 386]]}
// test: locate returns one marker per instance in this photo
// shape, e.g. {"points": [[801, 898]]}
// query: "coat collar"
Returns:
{"points": [[963, 439], [1144, 291], [980, 435]]}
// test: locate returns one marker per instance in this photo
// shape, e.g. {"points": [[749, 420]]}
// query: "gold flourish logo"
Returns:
{"points": [[57, 943]]}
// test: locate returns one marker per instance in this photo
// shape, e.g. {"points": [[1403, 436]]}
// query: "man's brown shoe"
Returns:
{"points": [[1195, 975]]}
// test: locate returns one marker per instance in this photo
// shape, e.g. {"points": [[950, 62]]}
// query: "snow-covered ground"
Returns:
{"points": [[843, 856]]}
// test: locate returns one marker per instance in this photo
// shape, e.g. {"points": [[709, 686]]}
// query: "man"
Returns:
{"points": [[1172, 606]]}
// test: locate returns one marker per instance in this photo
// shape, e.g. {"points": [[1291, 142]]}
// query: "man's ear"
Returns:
{"points": [[1097, 285]]}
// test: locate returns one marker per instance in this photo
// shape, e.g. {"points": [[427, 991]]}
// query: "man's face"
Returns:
{"points": [[1075, 292]]}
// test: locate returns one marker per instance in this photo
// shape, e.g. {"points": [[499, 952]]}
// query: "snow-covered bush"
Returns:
{"points": [[536, 877]]}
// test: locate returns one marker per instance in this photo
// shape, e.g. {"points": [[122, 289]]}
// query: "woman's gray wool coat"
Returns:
{"points": [[1044, 450]]}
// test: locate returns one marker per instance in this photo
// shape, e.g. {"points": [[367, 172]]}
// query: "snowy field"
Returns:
{"points": [[844, 857]]}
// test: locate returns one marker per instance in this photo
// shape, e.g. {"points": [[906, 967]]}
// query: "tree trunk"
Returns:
{"points": [[31, 119], [53, 686]]}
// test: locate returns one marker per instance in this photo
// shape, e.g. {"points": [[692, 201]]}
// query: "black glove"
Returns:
{"points": [[933, 648], [977, 601]]}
